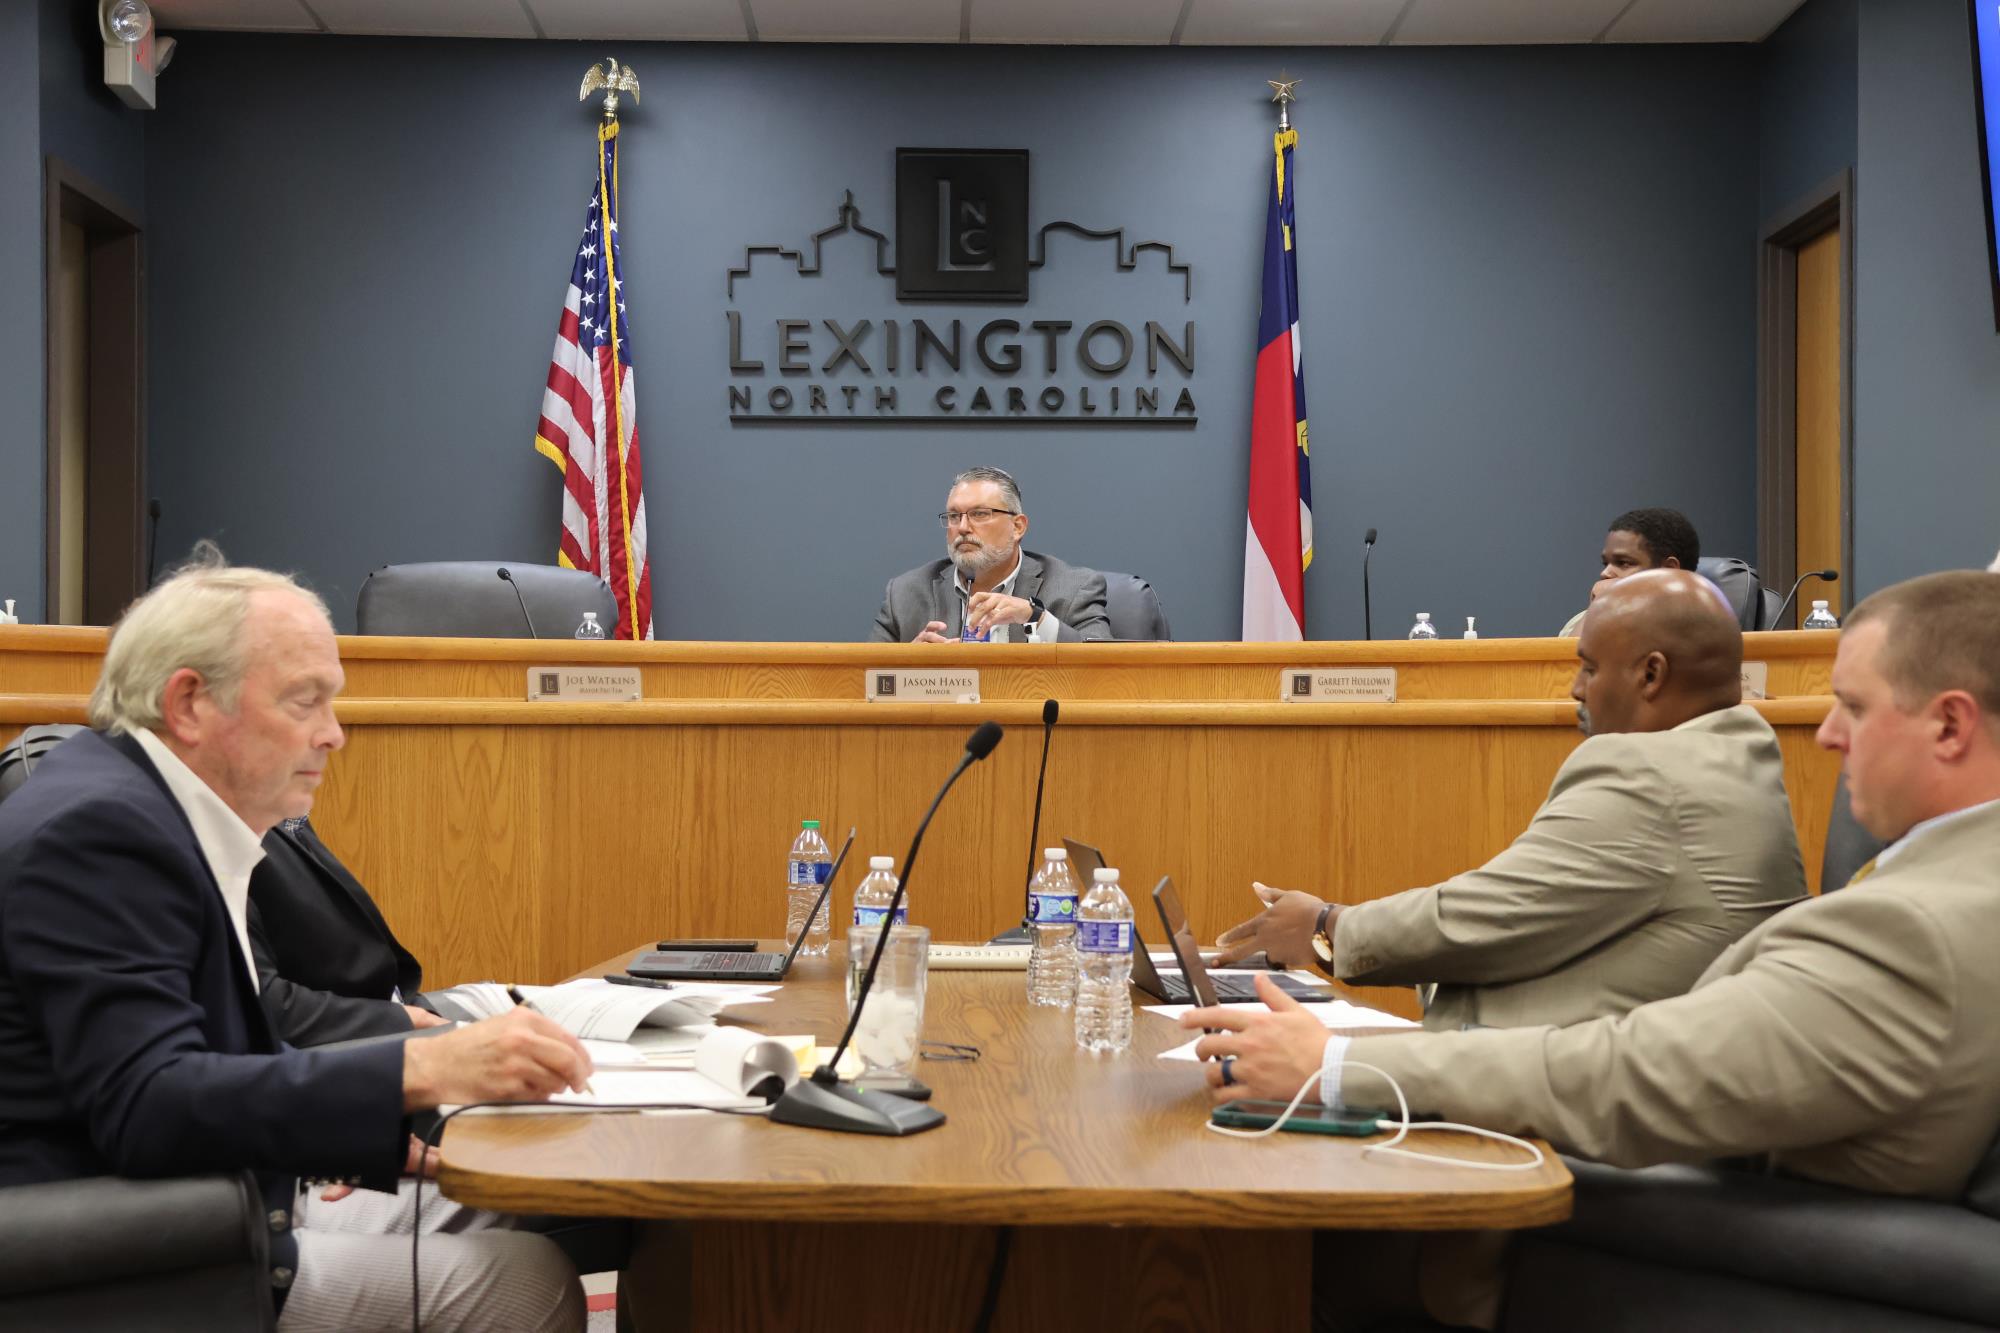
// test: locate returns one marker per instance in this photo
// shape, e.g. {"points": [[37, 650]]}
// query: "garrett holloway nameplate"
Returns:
{"points": [[1337, 685], [951, 685], [583, 685]]}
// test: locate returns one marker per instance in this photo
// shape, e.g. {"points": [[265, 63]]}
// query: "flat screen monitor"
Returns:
{"points": [[1985, 15]]}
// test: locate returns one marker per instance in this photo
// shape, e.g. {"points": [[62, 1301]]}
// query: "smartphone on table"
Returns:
{"points": [[1308, 1119]]}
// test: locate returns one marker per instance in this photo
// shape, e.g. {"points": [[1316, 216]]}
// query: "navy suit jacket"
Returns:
{"points": [[327, 960], [131, 1039]]}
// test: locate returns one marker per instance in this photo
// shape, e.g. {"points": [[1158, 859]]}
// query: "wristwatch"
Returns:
{"points": [[1035, 605], [1322, 938]]}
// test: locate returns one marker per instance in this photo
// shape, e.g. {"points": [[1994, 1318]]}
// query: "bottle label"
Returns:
{"points": [[807, 874], [1057, 909], [1104, 936], [872, 916]]}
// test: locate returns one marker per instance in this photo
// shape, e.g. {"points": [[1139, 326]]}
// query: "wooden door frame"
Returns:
{"points": [[115, 505], [1826, 206]]}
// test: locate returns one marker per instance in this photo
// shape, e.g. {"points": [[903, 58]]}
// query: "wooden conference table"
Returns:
{"points": [[1128, 1214], [504, 838]]}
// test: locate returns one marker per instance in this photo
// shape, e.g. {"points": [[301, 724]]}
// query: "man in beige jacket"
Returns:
{"points": [[1665, 838], [1851, 1038]]}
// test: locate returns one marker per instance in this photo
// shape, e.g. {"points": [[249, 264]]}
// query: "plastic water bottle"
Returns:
{"points": [[807, 865], [1472, 627], [1820, 618], [1104, 966], [7, 616], [1423, 629], [1052, 932], [873, 895], [590, 629]]}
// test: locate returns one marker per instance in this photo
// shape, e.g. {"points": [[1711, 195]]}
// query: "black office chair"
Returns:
{"points": [[467, 599], [1133, 608], [1755, 605], [19, 757]]}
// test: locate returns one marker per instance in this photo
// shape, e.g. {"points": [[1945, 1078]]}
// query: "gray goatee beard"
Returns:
{"points": [[1583, 719], [972, 564]]}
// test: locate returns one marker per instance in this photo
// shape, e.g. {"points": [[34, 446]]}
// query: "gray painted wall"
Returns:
{"points": [[1527, 306], [21, 448], [1927, 374], [83, 122], [1806, 102]]}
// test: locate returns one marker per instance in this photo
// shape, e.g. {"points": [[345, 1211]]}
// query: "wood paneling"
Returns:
{"points": [[1817, 494], [520, 841]]}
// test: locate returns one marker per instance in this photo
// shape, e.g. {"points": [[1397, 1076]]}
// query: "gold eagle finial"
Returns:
{"points": [[614, 79]]}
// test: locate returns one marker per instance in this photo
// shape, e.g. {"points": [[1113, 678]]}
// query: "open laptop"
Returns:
{"points": [[723, 966], [1174, 990]]}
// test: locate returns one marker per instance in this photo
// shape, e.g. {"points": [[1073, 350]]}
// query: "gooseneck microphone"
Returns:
{"points": [[1826, 575], [507, 577], [153, 539], [1367, 613], [1019, 934], [822, 1101]]}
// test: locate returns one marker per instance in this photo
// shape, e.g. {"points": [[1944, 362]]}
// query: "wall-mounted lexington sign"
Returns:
{"points": [[963, 237]]}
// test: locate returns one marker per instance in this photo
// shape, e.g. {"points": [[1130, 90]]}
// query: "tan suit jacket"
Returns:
{"points": [[1653, 853], [1852, 1037]]}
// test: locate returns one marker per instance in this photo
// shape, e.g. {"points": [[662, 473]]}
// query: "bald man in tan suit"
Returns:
{"points": [[1852, 1038], [1665, 838]]}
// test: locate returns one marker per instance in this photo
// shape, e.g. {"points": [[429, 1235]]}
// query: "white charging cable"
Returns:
{"points": [[1401, 1128]]}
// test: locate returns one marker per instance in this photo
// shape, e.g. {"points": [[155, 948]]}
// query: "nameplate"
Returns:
{"points": [[1756, 680], [578, 685], [1337, 685], [949, 685]]}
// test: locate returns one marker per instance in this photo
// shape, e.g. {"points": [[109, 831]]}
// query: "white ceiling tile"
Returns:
{"points": [[1283, 22], [1111, 22], [1505, 22], [1701, 20], [856, 20], [248, 15], [642, 20], [430, 18]]}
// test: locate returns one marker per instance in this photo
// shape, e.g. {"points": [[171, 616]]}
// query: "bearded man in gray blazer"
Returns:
{"points": [[987, 584], [1851, 1038], [1665, 838]]}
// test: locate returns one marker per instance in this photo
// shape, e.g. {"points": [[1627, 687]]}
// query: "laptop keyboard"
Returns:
{"points": [[1240, 989]]}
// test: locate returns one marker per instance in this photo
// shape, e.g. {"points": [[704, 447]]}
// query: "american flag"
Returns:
{"points": [[589, 426], [1278, 544]]}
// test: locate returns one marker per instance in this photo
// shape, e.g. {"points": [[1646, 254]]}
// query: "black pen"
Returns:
{"points": [[523, 1002], [619, 979]]}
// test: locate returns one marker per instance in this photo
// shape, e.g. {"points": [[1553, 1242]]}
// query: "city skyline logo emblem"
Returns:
{"points": [[963, 239]]}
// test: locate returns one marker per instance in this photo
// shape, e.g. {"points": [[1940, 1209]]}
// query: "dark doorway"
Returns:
{"points": [[94, 314]]}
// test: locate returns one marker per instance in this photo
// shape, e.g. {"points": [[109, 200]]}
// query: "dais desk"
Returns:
{"points": [[522, 840], [1122, 1202]]}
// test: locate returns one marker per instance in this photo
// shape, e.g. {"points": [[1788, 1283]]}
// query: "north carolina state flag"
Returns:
{"points": [[1278, 543]]}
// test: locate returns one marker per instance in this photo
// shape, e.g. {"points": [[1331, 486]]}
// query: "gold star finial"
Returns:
{"points": [[1281, 89]]}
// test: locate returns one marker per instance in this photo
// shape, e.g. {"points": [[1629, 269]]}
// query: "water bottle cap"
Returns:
{"points": [[808, 823], [1423, 615], [1055, 854], [1819, 606], [590, 617], [1104, 875], [881, 863]]}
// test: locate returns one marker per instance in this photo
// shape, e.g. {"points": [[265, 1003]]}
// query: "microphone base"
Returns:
{"points": [[1018, 935], [846, 1109]]}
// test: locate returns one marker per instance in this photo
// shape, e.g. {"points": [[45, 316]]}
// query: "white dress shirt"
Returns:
{"points": [[227, 844], [1044, 630]]}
